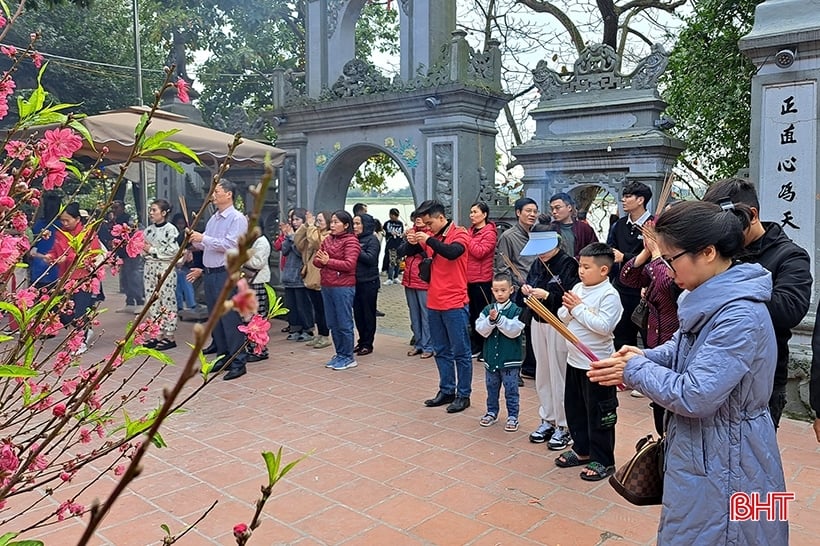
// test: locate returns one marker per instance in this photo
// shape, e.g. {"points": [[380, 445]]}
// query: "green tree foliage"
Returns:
{"points": [[102, 33], [708, 87], [373, 174]]}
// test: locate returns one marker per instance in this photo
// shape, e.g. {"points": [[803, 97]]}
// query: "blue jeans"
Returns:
{"points": [[185, 290], [419, 323], [451, 342], [338, 301], [509, 378]]}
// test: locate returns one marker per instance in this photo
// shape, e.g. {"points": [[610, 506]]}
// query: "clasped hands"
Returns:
{"points": [[609, 372]]}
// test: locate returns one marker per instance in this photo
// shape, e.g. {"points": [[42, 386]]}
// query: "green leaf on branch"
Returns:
{"points": [[277, 307], [6, 538], [13, 310], [273, 462], [170, 162], [10, 370]]}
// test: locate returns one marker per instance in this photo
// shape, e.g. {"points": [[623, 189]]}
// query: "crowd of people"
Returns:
{"points": [[722, 291]]}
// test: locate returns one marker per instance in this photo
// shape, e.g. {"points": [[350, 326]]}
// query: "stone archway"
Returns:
{"points": [[437, 120], [335, 177]]}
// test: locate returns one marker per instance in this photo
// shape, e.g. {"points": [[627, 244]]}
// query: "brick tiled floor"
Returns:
{"points": [[382, 468]]}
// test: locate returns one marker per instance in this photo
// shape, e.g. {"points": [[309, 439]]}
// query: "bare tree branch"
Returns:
{"points": [[550, 9], [647, 4]]}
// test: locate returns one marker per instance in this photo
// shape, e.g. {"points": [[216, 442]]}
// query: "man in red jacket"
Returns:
{"points": [[447, 304]]}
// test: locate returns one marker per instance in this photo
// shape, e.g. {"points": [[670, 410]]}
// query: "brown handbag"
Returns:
{"points": [[640, 480]]}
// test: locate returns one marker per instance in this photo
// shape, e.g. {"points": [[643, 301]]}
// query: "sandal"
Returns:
{"points": [[600, 472], [165, 344], [426, 355], [487, 420], [569, 459], [286, 330], [150, 344], [414, 352], [512, 424]]}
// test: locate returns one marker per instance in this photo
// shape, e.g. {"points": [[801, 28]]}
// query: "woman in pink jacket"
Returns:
{"points": [[480, 255]]}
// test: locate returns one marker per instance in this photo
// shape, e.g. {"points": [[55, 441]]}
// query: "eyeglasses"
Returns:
{"points": [[668, 261]]}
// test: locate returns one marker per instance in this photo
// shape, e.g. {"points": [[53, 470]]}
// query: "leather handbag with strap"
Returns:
{"points": [[640, 480]]}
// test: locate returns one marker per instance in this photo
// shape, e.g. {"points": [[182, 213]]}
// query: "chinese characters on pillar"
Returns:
{"points": [[788, 157]]}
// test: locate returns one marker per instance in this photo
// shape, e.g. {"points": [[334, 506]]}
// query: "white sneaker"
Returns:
{"points": [[560, 439], [388, 282], [83, 348], [636, 394]]}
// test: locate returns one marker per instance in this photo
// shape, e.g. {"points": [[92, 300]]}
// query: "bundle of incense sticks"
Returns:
{"points": [[663, 200], [539, 309], [184, 206], [514, 270]]}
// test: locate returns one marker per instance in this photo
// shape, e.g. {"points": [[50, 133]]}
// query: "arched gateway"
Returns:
{"points": [[436, 120]]}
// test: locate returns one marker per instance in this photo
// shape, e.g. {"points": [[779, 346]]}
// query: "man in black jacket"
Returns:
{"points": [[626, 240], [814, 381], [767, 245]]}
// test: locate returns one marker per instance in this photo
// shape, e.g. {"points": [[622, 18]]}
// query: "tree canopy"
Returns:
{"points": [[708, 87]]}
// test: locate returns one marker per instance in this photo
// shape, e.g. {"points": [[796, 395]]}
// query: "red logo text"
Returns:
{"points": [[751, 506]]}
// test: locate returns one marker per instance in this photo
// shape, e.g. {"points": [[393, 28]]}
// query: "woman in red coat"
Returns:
{"points": [[336, 258], [480, 255]]}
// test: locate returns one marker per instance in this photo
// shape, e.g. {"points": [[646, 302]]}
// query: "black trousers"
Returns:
{"points": [[364, 312], [480, 296], [590, 411], [226, 335], [318, 311], [133, 281], [626, 332], [528, 364]]}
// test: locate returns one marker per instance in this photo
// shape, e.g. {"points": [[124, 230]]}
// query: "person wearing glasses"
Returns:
{"points": [[575, 234], [714, 377]]}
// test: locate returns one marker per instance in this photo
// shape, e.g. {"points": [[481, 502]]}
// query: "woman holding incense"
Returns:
{"points": [[714, 377], [552, 272]]}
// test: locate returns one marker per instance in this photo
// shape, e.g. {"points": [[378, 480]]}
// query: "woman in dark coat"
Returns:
{"points": [[367, 283]]}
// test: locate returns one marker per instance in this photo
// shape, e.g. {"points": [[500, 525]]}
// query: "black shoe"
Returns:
{"points": [[379, 313], [150, 344], [461, 403], [520, 381], [528, 374], [256, 358], [234, 372], [209, 350], [440, 399]]}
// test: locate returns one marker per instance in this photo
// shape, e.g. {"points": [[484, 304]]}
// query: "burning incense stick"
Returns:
{"points": [[562, 328]]}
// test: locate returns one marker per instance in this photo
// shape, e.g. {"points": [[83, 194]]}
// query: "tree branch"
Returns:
{"points": [[540, 6], [646, 4]]}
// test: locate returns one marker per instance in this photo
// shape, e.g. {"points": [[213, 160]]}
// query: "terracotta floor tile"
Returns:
{"points": [[362, 493], [403, 511], [327, 477], [382, 534], [383, 468], [421, 482], [627, 522], [465, 499], [336, 524], [297, 503], [517, 517], [559, 530], [478, 473], [495, 537], [446, 529]]}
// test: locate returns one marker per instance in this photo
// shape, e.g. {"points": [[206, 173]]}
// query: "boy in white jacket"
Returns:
{"points": [[591, 311]]}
